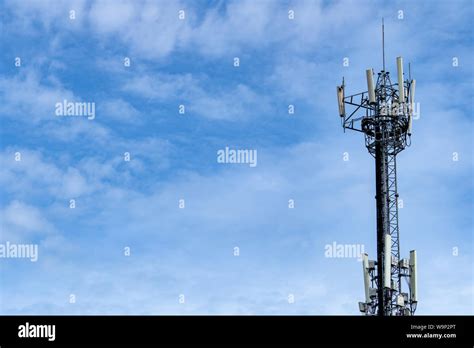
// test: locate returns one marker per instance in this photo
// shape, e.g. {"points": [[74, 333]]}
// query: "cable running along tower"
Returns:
{"points": [[384, 114]]}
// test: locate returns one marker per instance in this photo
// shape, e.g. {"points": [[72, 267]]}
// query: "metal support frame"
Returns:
{"points": [[385, 126]]}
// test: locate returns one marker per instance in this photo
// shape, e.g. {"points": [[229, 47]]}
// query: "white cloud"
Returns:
{"points": [[25, 217], [243, 24], [162, 87], [34, 175], [151, 29], [21, 222], [118, 110], [112, 16], [49, 13], [28, 100], [234, 104], [194, 93]]}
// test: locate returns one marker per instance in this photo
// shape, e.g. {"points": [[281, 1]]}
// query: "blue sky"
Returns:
{"points": [[190, 251]]}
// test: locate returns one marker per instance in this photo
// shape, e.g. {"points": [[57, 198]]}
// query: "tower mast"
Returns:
{"points": [[384, 114]]}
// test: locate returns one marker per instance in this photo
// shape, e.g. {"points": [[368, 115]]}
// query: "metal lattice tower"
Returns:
{"points": [[384, 114]]}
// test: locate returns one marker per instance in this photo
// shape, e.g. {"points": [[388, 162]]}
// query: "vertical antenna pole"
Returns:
{"points": [[383, 45]]}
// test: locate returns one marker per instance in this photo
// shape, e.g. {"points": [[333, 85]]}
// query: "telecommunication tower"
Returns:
{"points": [[384, 114]]}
